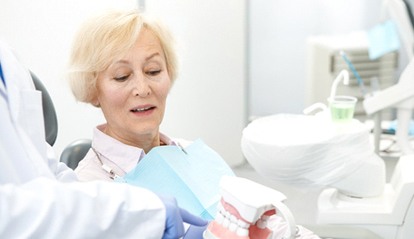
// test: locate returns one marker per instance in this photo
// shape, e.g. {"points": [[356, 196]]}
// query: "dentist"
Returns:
{"points": [[41, 198]]}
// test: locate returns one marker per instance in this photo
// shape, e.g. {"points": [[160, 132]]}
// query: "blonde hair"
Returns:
{"points": [[106, 37]]}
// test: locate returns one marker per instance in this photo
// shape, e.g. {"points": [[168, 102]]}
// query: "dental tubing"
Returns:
{"points": [[342, 75]]}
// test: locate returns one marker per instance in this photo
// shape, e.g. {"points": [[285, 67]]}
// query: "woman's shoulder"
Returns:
{"points": [[90, 169], [182, 142]]}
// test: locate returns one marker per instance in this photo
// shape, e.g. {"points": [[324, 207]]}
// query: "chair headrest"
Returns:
{"points": [[49, 113]]}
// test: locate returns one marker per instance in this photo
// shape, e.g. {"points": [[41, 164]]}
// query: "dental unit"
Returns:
{"points": [[314, 151], [246, 209], [354, 71], [400, 95], [343, 75]]}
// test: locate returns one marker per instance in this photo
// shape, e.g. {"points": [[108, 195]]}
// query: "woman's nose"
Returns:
{"points": [[141, 87]]}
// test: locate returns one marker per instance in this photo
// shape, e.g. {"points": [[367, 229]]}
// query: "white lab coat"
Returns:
{"points": [[33, 203]]}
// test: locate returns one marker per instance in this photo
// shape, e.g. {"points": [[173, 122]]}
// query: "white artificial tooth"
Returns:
{"points": [[233, 218], [242, 232], [220, 207], [227, 214], [219, 218], [233, 227], [261, 224], [243, 224], [226, 222], [222, 212]]}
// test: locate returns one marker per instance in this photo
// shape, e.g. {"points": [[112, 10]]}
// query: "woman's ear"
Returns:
{"points": [[95, 101], [96, 104]]}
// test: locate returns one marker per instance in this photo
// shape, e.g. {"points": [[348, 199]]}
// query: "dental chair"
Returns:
{"points": [[76, 150], [49, 113]]}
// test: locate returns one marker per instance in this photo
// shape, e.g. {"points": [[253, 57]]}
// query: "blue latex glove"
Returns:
{"points": [[195, 232], [176, 216]]}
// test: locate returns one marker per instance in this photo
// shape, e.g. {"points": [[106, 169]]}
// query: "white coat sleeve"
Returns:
{"points": [[45, 208], [34, 204], [60, 170]]}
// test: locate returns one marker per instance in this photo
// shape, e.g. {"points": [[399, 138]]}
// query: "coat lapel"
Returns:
{"points": [[25, 107]]}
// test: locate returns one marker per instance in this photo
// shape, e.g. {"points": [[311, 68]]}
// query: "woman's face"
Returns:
{"points": [[132, 91]]}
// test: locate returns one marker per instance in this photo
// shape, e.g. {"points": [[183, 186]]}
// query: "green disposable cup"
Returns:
{"points": [[342, 108]]}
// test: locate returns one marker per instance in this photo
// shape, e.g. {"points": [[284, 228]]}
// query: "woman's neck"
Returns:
{"points": [[145, 141]]}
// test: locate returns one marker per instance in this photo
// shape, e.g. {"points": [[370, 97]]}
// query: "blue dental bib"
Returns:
{"points": [[191, 175]]}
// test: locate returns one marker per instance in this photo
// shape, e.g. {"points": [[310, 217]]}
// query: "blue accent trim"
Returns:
{"points": [[1, 75]]}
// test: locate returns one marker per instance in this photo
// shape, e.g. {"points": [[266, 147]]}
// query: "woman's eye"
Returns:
{"points": [[153, 72], [121, 78]]}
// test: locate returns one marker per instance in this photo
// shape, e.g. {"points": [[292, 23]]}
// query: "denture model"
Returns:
{"points": [[245, 209]]}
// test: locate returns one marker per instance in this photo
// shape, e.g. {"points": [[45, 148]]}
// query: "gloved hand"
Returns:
{"points": [[195, 232], [176, 216]]}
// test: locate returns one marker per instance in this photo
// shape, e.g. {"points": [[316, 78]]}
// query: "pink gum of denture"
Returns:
{"points": [[254, 232]]}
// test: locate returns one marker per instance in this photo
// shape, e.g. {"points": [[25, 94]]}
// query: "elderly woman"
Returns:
{"points": [[126, 65]]}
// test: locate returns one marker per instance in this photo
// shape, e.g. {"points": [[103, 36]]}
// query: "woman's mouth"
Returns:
{"points": [[143, 109]]}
